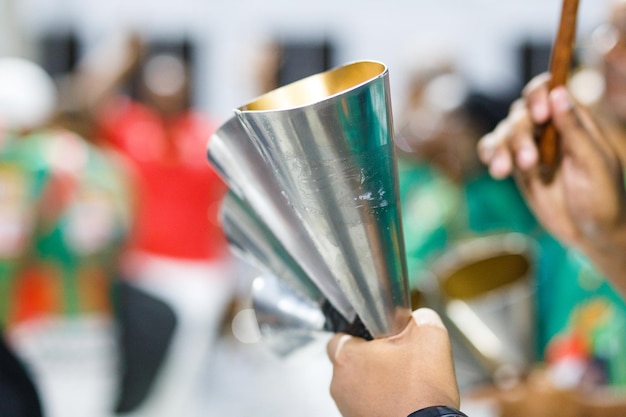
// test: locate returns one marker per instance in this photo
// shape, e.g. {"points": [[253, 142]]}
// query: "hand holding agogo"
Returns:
{"points": [[585, 203], [396, 375]]}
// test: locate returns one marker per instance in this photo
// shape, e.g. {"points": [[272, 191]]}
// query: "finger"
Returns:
{"points": [[487, 147], [429, 326], [536, 96], [427, 317], [537, 82], [429, 333], [430, 339], [522, 142], [581, 138], [501, 165], [337, 343], [493, 150], [489, 144], [526, 153], [511, 144]]}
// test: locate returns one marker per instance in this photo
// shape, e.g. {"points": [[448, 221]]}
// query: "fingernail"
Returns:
{"points": [[499, 166], [427, 317], [539, 111], [485, 148], [342, 341], [526, 157], [561, 99]]}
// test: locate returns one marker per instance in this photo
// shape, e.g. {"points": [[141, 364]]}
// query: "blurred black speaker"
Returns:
{"points": [[58, 52], [534, 58], [299, 59]]}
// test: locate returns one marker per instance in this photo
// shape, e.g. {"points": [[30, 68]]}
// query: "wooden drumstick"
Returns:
{"points": [[560, 63]]}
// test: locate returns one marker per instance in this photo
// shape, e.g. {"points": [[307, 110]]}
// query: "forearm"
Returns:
{"points": [[101, 73]]}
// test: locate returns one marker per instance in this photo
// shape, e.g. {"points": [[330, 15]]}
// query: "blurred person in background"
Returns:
{"points": [[445, 193], [178, 253], [66, 211]]}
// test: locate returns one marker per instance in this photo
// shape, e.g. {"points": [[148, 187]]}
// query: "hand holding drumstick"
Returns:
{"points": [[584, 202]]}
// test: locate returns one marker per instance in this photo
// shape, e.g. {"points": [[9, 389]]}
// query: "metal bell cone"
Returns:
{"points": [[485, 289], [252, 241], [328, 140], [287, 320], [290, 302], [239, 163]]}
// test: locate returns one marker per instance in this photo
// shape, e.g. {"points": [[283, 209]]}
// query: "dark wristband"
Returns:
{"points": [[437, 411]]}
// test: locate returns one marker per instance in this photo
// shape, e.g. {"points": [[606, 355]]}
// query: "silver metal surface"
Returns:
{"points": [[287, 320], [328, 141], [485, 291], [240, 164], [251, 240], [291, 302]]}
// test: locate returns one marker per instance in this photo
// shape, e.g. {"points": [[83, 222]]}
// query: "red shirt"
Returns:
{"points": [[179, 192]]}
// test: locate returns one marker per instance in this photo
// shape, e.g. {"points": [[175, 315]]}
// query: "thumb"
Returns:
{"points": [[427, 317], [338, 342], [431, 341], [429, 326]]}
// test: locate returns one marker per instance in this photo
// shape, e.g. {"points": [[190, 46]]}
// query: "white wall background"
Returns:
{"points": [[482, 33]]}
